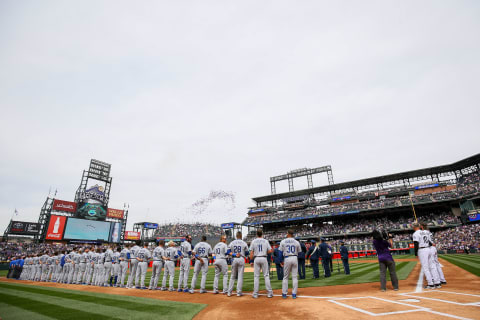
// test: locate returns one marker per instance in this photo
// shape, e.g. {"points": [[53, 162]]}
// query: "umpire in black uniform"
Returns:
{"points": [[344, 256]]}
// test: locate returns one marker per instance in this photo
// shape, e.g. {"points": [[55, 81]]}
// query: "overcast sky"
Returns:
{"points": [[187, 97]]}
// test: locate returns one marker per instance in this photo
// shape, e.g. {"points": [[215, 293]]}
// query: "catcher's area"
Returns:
{"points": [[459, 299]]}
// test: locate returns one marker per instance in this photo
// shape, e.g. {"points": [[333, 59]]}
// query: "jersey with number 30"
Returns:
{"points": [[290, 247], [260, 247]]}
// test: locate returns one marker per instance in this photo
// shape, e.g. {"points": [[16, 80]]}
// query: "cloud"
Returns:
{"points": [[185, 98]]}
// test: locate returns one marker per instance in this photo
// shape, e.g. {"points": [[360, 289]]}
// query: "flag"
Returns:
{"points": [[15, 212]]}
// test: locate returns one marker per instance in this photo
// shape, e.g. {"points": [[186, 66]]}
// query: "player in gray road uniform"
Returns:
{"points": [[88, 266], [37, 268], [221, 266], [290, 248], [51, 267], [157, 265], [75, 257], [59, 267], [108, 266], [124, 256], [81, 266], [68, 266], [44, 269], [239, 251], [170, 256], [186, 256], [201, 252], [143, 255], [259, 249], [94, 259], [115, 267], [133, 264], [100, 268]]}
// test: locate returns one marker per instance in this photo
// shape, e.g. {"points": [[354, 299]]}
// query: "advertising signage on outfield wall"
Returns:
{"points": [[114, 213], [132, 235], [56, 227], [24, 228], [227, 225], [61, 205], [149, 225]]}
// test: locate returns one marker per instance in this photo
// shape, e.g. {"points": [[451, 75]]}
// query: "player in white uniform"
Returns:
{"points": [[440, 277], [259, 249], [290, 248], [157, 265], [186, 256], [170, 255], [422, 250], [124, 257], [143, 255], [221, 266], [201, 252], [133, 264], [239, 251]]}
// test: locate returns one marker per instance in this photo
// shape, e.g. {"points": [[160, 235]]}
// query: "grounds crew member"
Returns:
{"points": [[221, 266], [239, 251], [259, 249], [344, 256], [290, 249]]}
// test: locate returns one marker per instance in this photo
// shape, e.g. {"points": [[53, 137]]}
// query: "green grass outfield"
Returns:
{"points": [[468, 262], [360, 273], [19, 301]]}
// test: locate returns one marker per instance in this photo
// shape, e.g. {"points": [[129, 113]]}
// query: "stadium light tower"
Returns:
{"points": [[301, 173]]}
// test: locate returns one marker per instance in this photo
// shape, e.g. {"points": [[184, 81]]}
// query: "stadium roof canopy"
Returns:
{"points": [[449, 169]]}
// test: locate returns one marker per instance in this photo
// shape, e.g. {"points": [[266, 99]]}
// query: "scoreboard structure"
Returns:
{"points": [[88, 218]]}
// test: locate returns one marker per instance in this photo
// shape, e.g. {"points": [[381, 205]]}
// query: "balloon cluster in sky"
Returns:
{"points": [[200, 206]]}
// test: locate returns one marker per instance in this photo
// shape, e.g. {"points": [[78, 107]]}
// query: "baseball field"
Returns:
{"points": [[355, 296]]}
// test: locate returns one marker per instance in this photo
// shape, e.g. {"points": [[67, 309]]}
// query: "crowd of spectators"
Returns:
{"points": [[193, 229], [459, 238], [467, 185], [362, 225]]}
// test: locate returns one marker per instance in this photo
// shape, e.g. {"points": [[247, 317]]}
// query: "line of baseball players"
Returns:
{"points": [[109, 266], [427, 254]]}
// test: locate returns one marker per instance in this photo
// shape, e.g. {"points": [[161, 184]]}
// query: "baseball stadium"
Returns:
{"points": [[398, 246]]}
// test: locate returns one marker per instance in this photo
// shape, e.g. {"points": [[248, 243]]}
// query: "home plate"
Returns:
{"points": [[409, 300]]}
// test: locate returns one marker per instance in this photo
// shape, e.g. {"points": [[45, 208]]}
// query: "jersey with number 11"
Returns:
{"points": [[260, 247]]}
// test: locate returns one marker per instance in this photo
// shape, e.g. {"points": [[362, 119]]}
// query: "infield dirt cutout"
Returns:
{"points": [[459, 299]]}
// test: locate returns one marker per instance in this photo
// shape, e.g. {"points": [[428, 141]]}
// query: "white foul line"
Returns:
{"points": [[420, 281]]}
